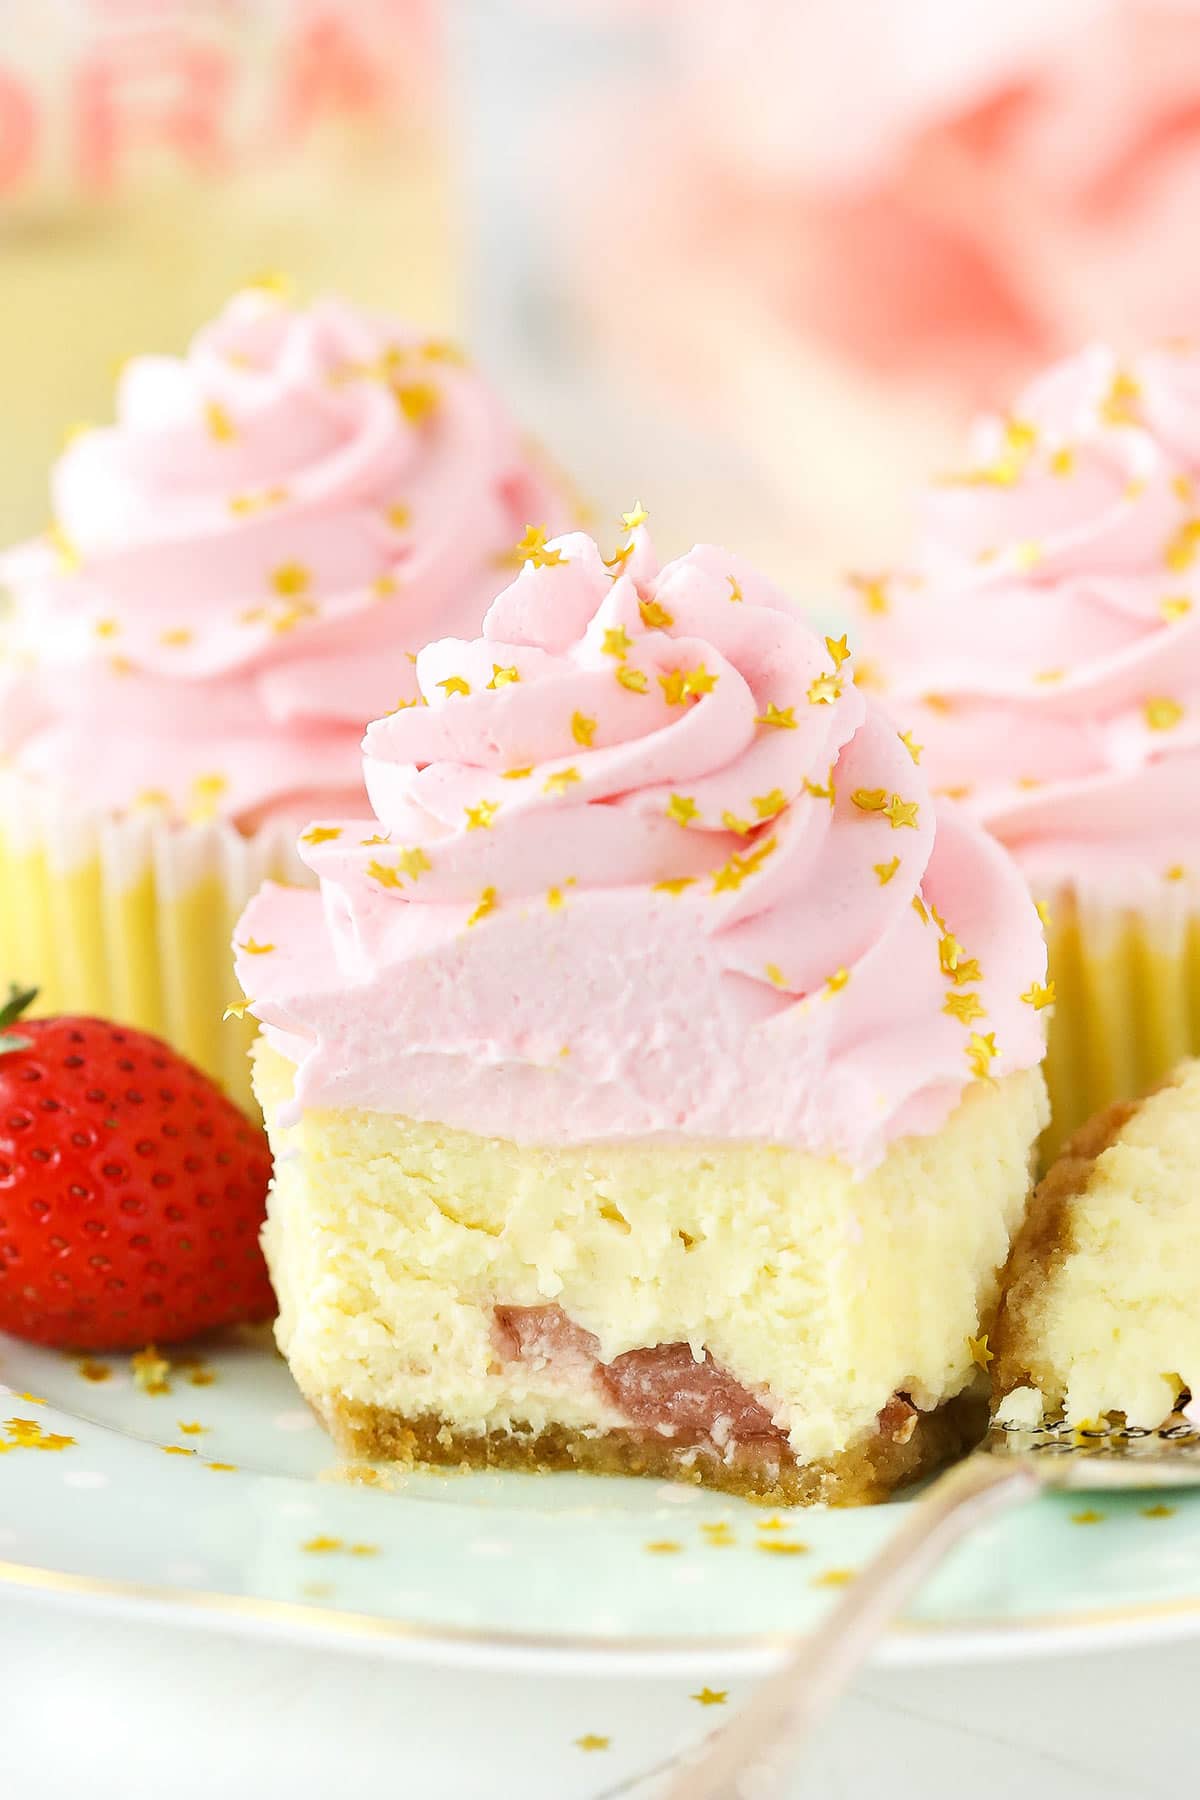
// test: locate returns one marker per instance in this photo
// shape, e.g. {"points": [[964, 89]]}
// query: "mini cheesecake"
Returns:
{"points": [[654, 1081], [1101, 1311]]}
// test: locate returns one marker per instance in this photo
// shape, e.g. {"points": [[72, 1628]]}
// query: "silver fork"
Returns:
{"points": [[747, 1759]]}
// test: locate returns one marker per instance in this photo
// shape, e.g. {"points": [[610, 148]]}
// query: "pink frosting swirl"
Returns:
{"points": [[1046, 646], [240, 561], [648, 862]]}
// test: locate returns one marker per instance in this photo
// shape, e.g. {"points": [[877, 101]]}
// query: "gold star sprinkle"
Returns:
{"points": [[398, 516], [534, 549], [729, 878], [966, 1008], [1158, 1512], [735, 589], [1062, 462], [554, 898], [664, 1547], [291, 579], [654, 616], [837, 981], [321, 834], [417, 400], [191, 1428], [834, 1578], [150, 1371], [1176, 606], [384, 586], [776, 976], [824, 691], [218, 423], [980, 1051], [710, 1696], [676, 885], [95, 1371], [919, 907], [698, 681], [872, 592], [592, 1741], [949, 952], [454, 684], [518, 774], [901, 812], [616, 562], [1176, 872], [503, 677], [966, 971], [739, 827], [237, 1009], [1039, 997], [782, 717], [384, 874], [838, 649], [870, 799], [617, 642], [674, 686], [781, 1547], [817, 791], [914, 749], [682, 808], [1120, 405], [886, 870], [177, 1450], [560, 781], [106, 628], [583, 729], [633, 679], [718, 1533], [1089, 1516], [639, 515], [1180, 552], [322, 1546], [253, 948], [230, 1467], [981, 1356], [414, 862], [479, 818], [767, 805], [487, 904], [1162, 714]]}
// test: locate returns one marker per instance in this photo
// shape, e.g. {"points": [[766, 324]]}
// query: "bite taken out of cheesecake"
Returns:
{"points": [[1100, 1319], [654, 1081]]}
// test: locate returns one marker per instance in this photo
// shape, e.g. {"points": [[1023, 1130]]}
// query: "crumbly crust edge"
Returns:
{"points": [[771, 1475]]}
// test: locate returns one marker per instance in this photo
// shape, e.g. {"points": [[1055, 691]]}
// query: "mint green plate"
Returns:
{"points": [[217, 1498]]}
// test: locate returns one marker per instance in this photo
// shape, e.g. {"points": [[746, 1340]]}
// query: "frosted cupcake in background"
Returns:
{"points": [[1045, 650], [235, 571]]}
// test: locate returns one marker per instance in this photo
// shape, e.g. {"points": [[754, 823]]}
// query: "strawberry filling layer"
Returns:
{"points": [[662, 1390]]}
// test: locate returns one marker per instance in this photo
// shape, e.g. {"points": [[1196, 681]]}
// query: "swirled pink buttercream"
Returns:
{"points": [[239, 563], [1045, 647], [647, 862]]}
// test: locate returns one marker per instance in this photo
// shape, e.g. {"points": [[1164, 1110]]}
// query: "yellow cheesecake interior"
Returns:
{"points": [[1101, 1314], [743, 1314]]}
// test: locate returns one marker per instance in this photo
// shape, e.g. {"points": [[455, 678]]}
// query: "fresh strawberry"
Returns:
{"points": [[131, 1190]]}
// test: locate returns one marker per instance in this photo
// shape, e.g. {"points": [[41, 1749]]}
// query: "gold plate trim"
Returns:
{"points": [[332, 1620]]}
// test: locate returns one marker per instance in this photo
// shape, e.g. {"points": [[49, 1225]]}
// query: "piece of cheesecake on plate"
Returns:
{"points": [[1101, 1311], [654, 1082]]}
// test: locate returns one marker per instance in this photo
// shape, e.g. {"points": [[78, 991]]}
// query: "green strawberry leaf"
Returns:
{"points": [[19, 1000]]}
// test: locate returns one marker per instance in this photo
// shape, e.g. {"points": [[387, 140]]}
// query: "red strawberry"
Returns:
{"points": [[131, 1190]]}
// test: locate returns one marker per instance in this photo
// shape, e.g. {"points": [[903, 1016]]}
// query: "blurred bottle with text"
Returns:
{"points": [[157, 154]]}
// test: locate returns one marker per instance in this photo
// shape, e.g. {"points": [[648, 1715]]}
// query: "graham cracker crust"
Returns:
{"points": [[766, 1472], [1045, 1239]]}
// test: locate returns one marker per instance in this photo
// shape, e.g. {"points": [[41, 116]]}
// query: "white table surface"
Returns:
{"points": [[109, 1708]]}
